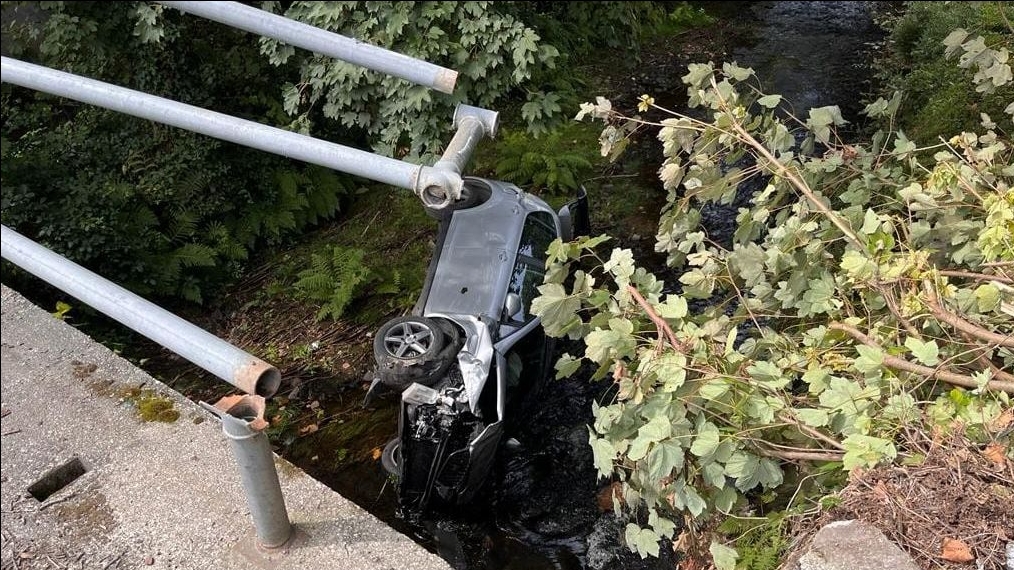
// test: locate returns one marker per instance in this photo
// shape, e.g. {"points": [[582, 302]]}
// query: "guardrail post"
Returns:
{"points": [[243, 423]]}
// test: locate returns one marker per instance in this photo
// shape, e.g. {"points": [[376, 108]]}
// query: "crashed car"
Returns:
{"points": [[471, 350]]}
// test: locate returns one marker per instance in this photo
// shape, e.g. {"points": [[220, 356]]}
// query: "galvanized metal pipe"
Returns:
{"points": [[420, 179], [471, 124], [323, 42], [243, 423], [246, 372]]}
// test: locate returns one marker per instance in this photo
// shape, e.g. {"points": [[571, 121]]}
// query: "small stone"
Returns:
{"points": [[853, 545], [149, 561]]}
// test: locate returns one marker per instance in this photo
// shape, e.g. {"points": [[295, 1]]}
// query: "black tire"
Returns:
{"points": [[411, 349], [390, 459], [471, 195]]}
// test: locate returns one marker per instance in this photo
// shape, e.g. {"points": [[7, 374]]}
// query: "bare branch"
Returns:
{"points": [[977, 276], [930, 373], [803, 455], [942, 314], [664, 331]]}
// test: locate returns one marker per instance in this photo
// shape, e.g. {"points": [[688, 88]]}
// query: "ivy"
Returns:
{"points": [[867, 290]]}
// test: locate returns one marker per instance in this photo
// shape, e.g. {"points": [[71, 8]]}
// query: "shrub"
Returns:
{"points": [[161, 210], [867, 291]]}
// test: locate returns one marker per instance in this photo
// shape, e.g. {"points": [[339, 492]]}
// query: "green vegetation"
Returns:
{"points": [[552, 164], [500, 50], [161, 210], [867, 292], [152, 407], [938, 99]]}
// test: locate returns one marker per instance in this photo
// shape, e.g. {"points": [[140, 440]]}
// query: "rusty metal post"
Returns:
{"points": [[243, 423]]}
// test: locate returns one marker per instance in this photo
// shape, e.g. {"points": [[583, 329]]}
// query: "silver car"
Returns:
{"points": [[471, 350]]}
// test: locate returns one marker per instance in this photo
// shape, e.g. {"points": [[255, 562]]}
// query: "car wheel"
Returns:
{"points": [[389, 459], [471, 195], [411, 349]]}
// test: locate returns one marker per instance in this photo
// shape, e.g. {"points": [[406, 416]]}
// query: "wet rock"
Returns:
{"points": [[853, 545], [607, 550]]}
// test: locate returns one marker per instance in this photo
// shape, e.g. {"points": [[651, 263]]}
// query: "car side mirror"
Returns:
{"points": [[513, 306]]}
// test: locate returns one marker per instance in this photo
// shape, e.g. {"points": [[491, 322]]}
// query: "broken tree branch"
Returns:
{"points": [[942, 314], [931, 373]]}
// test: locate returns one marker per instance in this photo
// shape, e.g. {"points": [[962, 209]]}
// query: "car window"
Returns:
{"points": [[538, 233], [530, 267]]}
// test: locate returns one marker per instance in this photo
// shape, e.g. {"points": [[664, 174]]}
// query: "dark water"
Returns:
{"points": [[541, 511], [812, 53]]}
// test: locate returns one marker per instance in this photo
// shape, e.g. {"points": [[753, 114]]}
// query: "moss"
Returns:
{"points": [[152, 407]]}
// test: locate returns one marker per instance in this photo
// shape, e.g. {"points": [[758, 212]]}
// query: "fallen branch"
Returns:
{"points": [[664, 330], [985, 361], [977, 276], [803, 455], [942, 314], [931, 373]]}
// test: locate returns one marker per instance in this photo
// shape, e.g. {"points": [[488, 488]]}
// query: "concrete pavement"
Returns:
{"points": [[153, 494]]}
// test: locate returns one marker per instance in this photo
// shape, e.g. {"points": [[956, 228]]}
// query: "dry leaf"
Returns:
{"points": [[1005, 419], [996, 453], [308, 429], [880, 490], [376, 453], [956, 551]]}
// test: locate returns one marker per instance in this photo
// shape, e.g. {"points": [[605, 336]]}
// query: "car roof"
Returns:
{"points": [[478, 252]]}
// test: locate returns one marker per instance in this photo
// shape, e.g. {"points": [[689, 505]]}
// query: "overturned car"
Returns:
{"points": [[471, 351]]}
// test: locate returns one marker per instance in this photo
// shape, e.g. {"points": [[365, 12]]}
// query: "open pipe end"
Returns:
{"points": [[445, 80], [243, 407], [258, 377]]}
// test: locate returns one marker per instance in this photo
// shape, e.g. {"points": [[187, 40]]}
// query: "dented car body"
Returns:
{"points": [[472, 350]]}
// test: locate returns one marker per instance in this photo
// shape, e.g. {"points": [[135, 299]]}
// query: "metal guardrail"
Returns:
{"points": [[242, 416], [320, 41], [237, 367], [441, 184]]}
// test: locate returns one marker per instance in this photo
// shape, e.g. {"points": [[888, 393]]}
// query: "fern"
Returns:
{"points": [[542, 164], [335, 278], [760, 542]]}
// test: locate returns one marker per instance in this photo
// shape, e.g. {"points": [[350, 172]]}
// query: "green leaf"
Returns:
{"points": [[768, 375], [675, 307], [857, 265], [736, 72], [644, 541], [621, 263], [557, 309], [724, 556], [664, 459], [770, 101], [603, 454], [603, 345], [811, 416], [925, 352], [657, 429], [566, 366], [866, 451], [870, 222], [707, 440], [661, 525], [870, 359], [987, 297], [714, 389], [725, 499]]}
